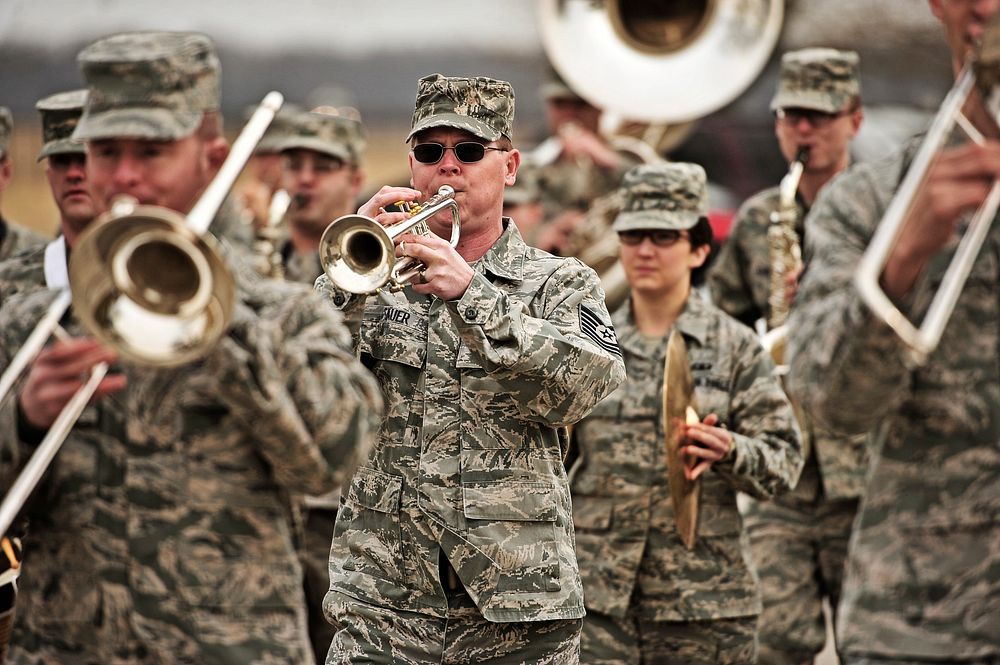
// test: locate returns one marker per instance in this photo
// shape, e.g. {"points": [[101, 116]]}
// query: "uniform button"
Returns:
{"points": [[338, 299], [471, 313]]}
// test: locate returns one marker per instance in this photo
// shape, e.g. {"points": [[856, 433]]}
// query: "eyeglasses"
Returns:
{"points": [[466, 151], [660, 237], [793, 116]]}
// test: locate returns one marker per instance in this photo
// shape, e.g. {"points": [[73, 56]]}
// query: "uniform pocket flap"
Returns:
{"points": [[376, 490], [395, 343], [516, 501], [592, 513]]}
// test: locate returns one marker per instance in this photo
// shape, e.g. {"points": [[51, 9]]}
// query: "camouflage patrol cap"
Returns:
{"points": [[277, 131], [6, 127], [60, 115], [822, 79], [671, 195], [480, 105], [325, 133], [148, 85]]}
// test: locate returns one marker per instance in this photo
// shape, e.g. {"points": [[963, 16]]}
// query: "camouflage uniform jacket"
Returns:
{"points": [[13, 239], [740, 281], [301, 268], [162, 534], [621, 500], [469, 456], [923, 575]]}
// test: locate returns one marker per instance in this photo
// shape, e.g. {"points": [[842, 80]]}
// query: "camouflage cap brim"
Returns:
{"points": [[817, 101], [654, 220], [61, 147], [468, 123], [316, 145], [155, 124]]}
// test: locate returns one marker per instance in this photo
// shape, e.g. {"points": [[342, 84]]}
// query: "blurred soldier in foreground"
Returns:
{"points": [[321, 171], [66, 170], [649, 598], [12, 238], [799, 541], [454, 543], [923, 575], [162, 532]]}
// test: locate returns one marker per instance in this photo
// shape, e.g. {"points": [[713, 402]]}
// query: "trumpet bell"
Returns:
{"points": [[357, 253], [147, 285]]}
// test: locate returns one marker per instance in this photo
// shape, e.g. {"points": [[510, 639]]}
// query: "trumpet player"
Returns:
{"points": [[12, 238], [923, 572], [321, 157], [799, 540], [454, 542], [162, 532]]}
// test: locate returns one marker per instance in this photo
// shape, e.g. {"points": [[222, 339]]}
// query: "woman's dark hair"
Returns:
{"points": [[701, 234]]}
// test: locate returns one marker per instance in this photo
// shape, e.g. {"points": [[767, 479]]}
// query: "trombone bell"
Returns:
{"points": [[149, 286]]}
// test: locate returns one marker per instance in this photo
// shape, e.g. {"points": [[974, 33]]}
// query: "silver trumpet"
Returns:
{"points": [[982, 71], [149, 283], [359, 254]]}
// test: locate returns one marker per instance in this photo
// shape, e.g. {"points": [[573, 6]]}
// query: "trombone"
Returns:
{"points": [[921, 341], [359, 255], [146, 281]]}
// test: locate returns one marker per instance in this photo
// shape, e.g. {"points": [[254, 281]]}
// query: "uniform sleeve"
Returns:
{"points": [[728, 281], [290, 378], [845, 364], [351, 306], [767, 446], [557, 365]]}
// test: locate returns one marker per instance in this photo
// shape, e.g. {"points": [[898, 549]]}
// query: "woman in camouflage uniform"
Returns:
{"points": [[648, 598]]}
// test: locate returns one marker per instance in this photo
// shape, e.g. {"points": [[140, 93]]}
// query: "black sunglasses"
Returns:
{"points": [[660, 237], [466, 151]]}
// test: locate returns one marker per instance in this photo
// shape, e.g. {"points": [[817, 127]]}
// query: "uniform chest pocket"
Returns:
{"points": [[393, 342]]}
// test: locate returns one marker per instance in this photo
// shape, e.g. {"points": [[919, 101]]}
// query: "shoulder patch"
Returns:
{"points": [[602, 334]]}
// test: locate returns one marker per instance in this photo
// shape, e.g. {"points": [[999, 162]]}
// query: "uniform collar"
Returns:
{"points": [[692, 323], [505, 258]]}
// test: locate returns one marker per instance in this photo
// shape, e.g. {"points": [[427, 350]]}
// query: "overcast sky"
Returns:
{"points": [[284, 26]]}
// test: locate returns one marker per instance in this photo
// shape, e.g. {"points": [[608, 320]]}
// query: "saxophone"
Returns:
{"points": [[784, 253], [267, 239], [784, 256]]}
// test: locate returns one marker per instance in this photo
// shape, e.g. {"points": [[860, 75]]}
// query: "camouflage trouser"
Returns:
{"points": [[869, 660], [799, 547], [611, 641], [315, 557], [373, 634]]}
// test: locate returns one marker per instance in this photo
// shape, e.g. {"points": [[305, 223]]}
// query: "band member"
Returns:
{"points": [[799, 540], [262, 179], [162, 533], [12, 238], [922, 578], [650, 599], [66, 170], [454, 543], [575, 165], [321, 170]]}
